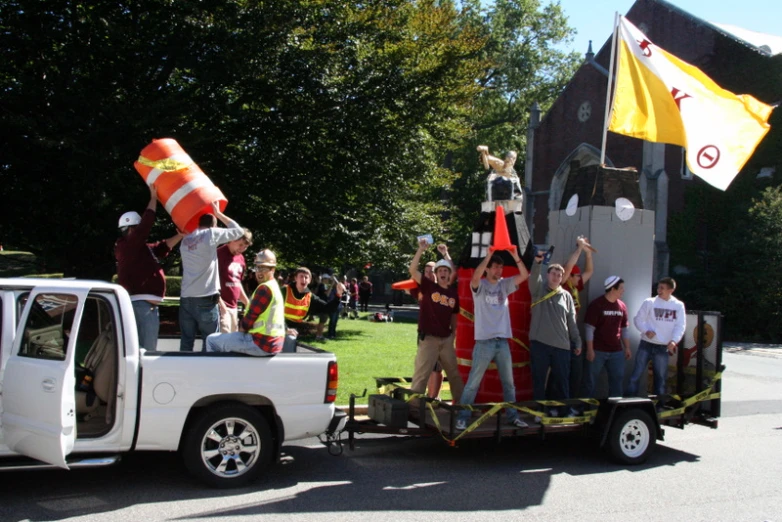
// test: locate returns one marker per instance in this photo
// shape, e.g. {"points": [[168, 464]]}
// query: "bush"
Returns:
{"points": [[19, 264], [173, 286]]}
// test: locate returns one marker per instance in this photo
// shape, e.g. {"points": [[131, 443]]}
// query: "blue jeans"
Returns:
{"points": [[542, 357], [333, 318], [197, 314], [659, 355], [240, 342], [579, 375], [147, 324], [614, 363], [483, 353]]}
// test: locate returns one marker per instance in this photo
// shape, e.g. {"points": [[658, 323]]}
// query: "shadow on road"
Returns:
{"points": [[382, 474]]}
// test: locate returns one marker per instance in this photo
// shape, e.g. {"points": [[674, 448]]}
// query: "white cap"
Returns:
{"points": [[129, 219], [444, 263], [611, 281]]}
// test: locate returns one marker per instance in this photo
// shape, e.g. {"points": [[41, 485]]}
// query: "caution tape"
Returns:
{"points": [[166, 164], [586, 417], [467, 315], [431, 404], [702, 396]]}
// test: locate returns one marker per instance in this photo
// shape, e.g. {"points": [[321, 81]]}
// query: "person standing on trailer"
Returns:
{"points": [[605, 331], [661, 321], [573, 281], [552, 332], [438, 311], [492, 332], [436, 378]]}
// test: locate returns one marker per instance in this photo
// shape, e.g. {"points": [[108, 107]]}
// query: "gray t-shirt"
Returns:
{"points": [[492, 315], [199, 259], [553, 320]]}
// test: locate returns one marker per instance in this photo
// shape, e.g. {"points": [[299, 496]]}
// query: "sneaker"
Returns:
{"points": [[461, 424], [519, 423], [553, 412], [537, 419]]}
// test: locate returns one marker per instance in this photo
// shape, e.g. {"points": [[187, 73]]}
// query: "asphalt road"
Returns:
{"points": [[731, 474]]}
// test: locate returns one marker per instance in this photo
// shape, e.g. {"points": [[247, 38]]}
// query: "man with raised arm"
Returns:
{"points": [[198, 303], [439, 309], [573, 280], [139, 270], [493, 331], [553, 333]]}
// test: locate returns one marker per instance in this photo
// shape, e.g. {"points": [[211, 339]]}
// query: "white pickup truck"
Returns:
{"points": [[77, 391]]}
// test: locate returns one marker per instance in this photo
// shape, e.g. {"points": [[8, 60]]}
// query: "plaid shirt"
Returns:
{"points": [[260, 302]]}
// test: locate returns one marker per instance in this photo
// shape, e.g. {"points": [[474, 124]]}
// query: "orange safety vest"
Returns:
{"points": [[296, 309]]}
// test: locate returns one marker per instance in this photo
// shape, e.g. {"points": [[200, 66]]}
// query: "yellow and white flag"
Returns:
{"points": [[660, 98]]}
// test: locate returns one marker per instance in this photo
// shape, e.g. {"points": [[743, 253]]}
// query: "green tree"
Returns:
{"points": [[733, 273], [324, 122], [524, 67], [320, 120]]}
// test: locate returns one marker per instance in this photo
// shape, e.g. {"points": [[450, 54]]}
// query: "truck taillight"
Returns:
{"points": [[332, 381]]}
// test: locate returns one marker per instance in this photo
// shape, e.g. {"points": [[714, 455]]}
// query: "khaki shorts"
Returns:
{"points": [[229, 320]]}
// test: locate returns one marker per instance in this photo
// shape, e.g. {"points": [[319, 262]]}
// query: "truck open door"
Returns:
{"points": [[39, 409]]}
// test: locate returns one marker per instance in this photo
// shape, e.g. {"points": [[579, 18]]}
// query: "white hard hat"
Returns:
{"points": [[444, 263], [265, 258], [129, 219]]}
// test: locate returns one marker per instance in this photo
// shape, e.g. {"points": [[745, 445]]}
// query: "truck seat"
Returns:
{"points": [[101, 363]]}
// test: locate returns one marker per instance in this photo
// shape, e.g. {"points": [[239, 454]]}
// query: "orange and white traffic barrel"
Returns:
{"points": [[182, 187]]}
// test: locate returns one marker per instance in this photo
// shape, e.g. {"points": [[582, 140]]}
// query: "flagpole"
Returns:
{"points": [[609, 98]]}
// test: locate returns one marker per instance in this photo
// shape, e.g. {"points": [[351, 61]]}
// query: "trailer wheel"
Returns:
{"points": [[632, 436], [228, 445]]}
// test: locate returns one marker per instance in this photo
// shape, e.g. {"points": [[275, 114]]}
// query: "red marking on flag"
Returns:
{"points": [[708, 156], [644, 45], [678, 96]]}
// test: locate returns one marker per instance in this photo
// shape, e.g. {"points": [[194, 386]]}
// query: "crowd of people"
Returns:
{"points": [[214, 273], [214, 267], [560, 368]]}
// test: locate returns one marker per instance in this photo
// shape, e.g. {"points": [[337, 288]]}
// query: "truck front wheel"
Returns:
{"points": [[632, 436], [228, 445]]}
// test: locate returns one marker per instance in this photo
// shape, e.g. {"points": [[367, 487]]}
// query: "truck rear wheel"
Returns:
{"points": [[632, 436], [228, 445]]}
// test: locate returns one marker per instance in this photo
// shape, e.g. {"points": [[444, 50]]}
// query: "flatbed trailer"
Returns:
{"points": [[628, 427]]}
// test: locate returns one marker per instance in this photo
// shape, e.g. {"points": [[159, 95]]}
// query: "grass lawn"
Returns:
{"points": [[366, 350]]}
